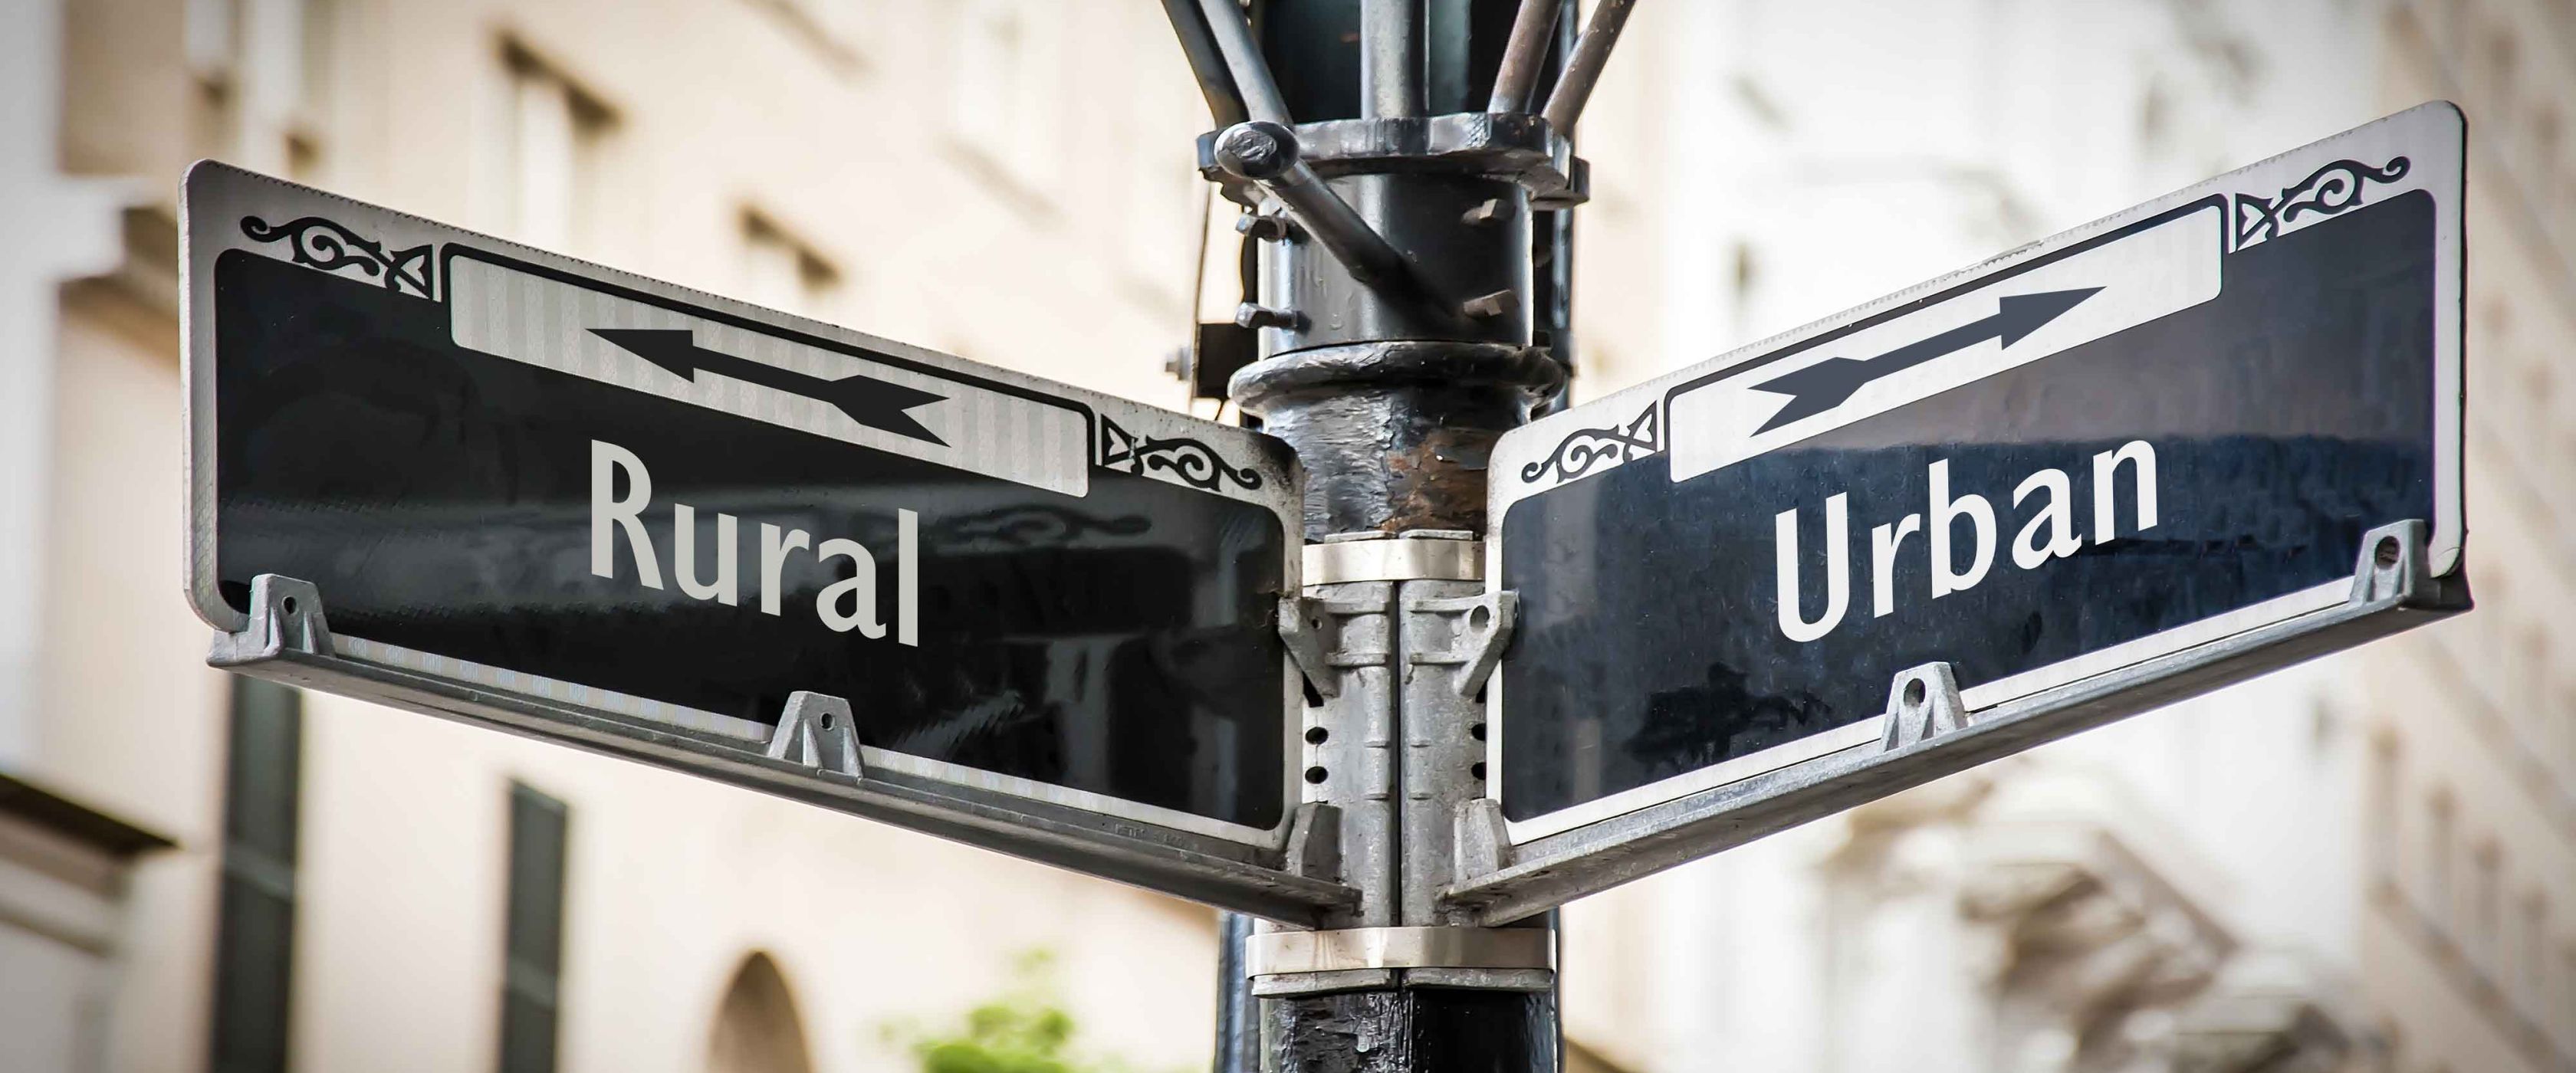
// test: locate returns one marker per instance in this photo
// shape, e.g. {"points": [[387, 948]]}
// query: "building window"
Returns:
{"points": [[255, 905], [531, 1003], [782, 271], [2383, 818], [549, 145], [2532, 951], [2486, 920], [2439, 894], [757, 1027]]}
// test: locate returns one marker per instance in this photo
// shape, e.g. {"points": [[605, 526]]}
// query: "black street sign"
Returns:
{"points": [[572, 502], [2134, 461]]}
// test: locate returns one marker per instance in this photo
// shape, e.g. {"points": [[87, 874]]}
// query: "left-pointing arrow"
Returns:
{"points": [[874, 403]]}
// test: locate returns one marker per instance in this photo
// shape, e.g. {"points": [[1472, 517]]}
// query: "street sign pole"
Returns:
{"points": [[1403, 326]]}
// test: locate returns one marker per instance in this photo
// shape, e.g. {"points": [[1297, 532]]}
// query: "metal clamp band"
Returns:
{"points": [[1272, 953], [1402, 558]]}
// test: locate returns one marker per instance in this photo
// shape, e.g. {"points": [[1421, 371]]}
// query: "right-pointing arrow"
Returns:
{"points": [[1826, 384]]}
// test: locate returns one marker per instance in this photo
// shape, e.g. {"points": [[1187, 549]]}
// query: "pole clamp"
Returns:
{"points": [[1274, 953], [1415, 555]]}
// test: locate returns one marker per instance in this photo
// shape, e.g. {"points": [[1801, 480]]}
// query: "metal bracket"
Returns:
{"points": [[1483, 844], [815, 730], [1486, 629], [1274, 953], [1301, 628], [1922, 703], [285, 616], [2391, 563], [1315, 841]]}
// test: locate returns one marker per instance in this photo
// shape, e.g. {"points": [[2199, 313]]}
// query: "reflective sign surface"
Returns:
{"points": [[507, 468], [2155, 432]]}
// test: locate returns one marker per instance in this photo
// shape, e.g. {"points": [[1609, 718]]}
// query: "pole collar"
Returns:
{"points": [[1418, 555], [1273, 953]]}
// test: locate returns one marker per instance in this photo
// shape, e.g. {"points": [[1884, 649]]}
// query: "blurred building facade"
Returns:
{"points": [[2365, 864], [359, 889]]}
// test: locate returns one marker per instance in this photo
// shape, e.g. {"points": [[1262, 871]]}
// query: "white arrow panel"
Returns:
{"points": [[548, 322], [2153, 273]]}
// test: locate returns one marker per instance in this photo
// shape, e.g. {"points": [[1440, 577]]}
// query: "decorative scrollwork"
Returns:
{"points": [[1582, 449], [1195, 463], [1030, 527], [2326, 191], [320, 243]]}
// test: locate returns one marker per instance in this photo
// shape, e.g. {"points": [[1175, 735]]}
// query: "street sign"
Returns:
{"points": [[567, 501], [2204, 437]]}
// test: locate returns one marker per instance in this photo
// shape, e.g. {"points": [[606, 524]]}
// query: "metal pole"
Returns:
{"points": [[1225, 19], [1395, 322], [1238, 1029], [1591, 53], [1532, 26], [1391, 58], [1207, 61]]}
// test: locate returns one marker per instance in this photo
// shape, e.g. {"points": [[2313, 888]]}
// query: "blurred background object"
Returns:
{"points": [[2368, 863]]}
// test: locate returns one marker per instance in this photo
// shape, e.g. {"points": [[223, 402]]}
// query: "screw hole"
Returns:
{"points": [[1477, 732], [2386, 553], [1914, 693], [1316, 774], [287, 605], [1477, 769], [825, 722], [1316, 735], [1480, 618]]}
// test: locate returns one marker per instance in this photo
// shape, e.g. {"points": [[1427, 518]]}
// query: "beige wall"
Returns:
{"points": [[1061, 240]]}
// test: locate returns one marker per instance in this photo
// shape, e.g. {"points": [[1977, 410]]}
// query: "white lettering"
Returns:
{"points": [[2058, 514], [1837, 569], [907, 579], [1945, 513], [2106, 467], [861, 586], [684, 552], [1883, 542], [773, 560], [606, 461]]}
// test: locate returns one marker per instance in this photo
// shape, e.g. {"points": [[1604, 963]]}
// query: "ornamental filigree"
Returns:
{"points": [[1194, 463], [319, 243], [1030, 527], [2326, 191], [1582, 449]]}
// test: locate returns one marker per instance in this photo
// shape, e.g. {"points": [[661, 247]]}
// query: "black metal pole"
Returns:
{"points": [[1403, 327]]}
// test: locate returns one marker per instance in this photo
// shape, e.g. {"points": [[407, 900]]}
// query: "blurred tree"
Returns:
{"points": [[1025, 1030]]}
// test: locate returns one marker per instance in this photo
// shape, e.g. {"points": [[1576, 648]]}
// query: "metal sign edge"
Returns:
{"points": [[1615, 420], [1280, 490]]}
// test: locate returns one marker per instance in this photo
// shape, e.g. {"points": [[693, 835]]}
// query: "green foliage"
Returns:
{"points": [[1025, 1030]]}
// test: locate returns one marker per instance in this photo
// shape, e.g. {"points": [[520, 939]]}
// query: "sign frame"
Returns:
{"points": [[1546, 859], [284, 635]]}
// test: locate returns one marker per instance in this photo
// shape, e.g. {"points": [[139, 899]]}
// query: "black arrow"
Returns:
{"points": [[1825, 384], [874, 403]]}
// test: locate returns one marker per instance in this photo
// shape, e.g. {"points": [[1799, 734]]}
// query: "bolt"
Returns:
{"points": [[1257, 150], [1485, 212], [1261, 227], [1249, 315], [1491, 305]]}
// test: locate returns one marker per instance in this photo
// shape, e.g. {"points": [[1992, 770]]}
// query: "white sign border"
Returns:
{"points": [[1636, 422], [215, 196]]}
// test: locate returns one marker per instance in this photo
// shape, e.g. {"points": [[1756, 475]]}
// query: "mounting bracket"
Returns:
{"points": [[817, 731], [1922, 703]]}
